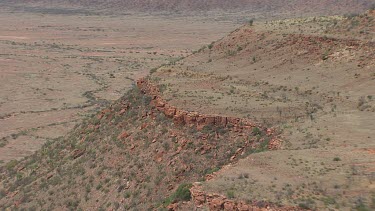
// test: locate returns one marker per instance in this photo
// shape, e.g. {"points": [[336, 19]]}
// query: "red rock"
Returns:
{"points": [[49, 176], [197, 195], [77, 153], [159, 102], [244, 207], [159, 157], [233, 121], [122, 111], [123, 135], [201, 119], [220, 121], [204, 136], [170, 111], [269, 131], [230, 206], [179, 118], [100, 116], [216, 204], [179, 149], [105, 111], [143, 126], [210, 120], [274, 144], [209, 177], [201, 122], [190, 118]]}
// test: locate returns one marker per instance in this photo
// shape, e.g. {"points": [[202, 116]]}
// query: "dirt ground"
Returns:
{"points": [[58, 68]]}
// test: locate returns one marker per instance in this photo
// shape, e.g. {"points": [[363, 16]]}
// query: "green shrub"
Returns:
{"points": [[329, 200], [153, 70], [211, 170], [308, 204], [2, 193], [361, 207], [256, 131], [230, 194], [251, 22], [183, 192], [336, 159]]}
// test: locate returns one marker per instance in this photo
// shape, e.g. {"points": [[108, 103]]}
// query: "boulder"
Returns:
{"points": [[172, 207], [123, 135], [230, 206], [170, 111], [159, 102], [216, 203]]}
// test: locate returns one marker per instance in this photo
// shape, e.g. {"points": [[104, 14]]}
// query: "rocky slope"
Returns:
{"points": [[313, 83], [129, 156]]}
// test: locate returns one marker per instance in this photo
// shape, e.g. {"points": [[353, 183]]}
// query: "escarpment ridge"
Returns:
{"points": [[199, 120], [188, 117], [216, 202]]}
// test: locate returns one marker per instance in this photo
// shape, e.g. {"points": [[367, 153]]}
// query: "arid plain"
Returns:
{"points": [[57, 68]]}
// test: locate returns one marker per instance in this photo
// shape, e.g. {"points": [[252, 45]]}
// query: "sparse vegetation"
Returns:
{"points": [[281, 104]]}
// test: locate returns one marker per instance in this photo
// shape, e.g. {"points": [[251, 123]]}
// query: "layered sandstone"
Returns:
{"points": [[191, 118], [216, 202]]}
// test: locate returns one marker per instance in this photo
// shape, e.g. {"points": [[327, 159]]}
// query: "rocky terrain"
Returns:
{"points": [[277, 115], [308, 80], [128, 156]]}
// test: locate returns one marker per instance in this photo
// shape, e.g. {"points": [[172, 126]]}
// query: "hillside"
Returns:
{"points": [[128, 156], [313, 78], [275, 116], [286, 7]]}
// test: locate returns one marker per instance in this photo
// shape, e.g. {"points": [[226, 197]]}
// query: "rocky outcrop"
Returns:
{"points": [[191, 118], [216, 202]]}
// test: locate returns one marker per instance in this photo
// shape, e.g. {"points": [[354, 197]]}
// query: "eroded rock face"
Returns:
{"points": [[191, 118], [198, 120], [216, 202]]}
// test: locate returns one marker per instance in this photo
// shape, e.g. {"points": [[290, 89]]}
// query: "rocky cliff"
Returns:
{"points": [[216, 202], [192, 118]]}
